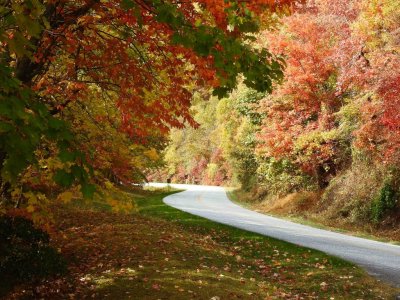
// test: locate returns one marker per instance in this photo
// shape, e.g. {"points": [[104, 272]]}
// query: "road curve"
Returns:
{"points": [[381, 260]]}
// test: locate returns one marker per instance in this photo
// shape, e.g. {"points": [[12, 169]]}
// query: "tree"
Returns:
{"points": [[371, 67], [302, 115], [221, 150]]}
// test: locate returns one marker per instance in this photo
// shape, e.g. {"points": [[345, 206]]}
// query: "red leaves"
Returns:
{"points": [[302, 104], [109, 50], [371, 64], [219, 8]]}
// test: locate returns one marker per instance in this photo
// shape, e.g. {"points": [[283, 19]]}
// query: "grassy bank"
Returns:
{"points": [[158, 252], [303, 208]]}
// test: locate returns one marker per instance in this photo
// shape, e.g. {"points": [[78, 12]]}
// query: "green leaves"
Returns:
{"points": [[241, 18], [128, 4], [18, 127], [384, 202], [88, 190], [247, 105], [64, 178], [24, 124], [168, 13], [21, 21], [231, 56]]}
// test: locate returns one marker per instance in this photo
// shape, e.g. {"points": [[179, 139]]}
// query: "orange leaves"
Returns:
{"points": [[124, 72], [220, 9], [109, 51], [113, 49], [370, 62], [301, 113]]}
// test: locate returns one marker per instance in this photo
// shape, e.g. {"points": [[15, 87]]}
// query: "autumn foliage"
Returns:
{"points": [[330, 126], [90, 89]]}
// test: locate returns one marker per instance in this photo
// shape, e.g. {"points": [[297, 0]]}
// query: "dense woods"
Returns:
{"points": [[330, 128]]}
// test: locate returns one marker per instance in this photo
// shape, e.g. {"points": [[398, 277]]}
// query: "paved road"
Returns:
{"points": [[379, 259]]}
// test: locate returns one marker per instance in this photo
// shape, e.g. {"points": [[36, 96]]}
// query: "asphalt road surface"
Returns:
{"points": [[381, 260]]}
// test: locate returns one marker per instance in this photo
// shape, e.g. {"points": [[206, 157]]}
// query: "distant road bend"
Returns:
{"points": [[381, 260]]}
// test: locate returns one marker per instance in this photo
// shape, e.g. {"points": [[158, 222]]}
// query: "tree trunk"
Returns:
{"points": [[5, 195]]}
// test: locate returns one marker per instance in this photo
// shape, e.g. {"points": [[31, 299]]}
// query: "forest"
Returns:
{"points": [[292, 105]]}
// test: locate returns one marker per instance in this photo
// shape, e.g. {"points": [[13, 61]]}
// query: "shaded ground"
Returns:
{"points": [[162, 253]]}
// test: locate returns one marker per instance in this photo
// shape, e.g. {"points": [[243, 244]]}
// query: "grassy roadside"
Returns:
{"points": [[237, 197], [158, 252]]}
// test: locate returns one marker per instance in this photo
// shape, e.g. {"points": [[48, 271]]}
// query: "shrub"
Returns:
{"points": [[25, 253], [385, 201], [281, 177], [349, 195]]}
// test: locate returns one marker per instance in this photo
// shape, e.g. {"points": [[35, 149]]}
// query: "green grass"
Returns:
{"points": [[254, 247], [155, 207]]}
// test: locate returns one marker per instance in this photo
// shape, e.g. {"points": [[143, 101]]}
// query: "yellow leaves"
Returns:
{"points": [[30, 209], [120, 205], [114, 203], [66, 197], [53, 164], [35, 204], [152, 154], [108, 185], [88, 19], [112, 198], [310, 143], [32, 198], [378, 23], [16, 193], [212, 169], [30, 204], [70, 194], [142, 157]]}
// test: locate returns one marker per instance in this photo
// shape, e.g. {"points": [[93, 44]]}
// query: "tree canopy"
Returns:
{"points": [[90, 88]]}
